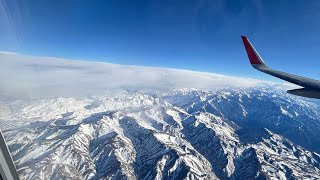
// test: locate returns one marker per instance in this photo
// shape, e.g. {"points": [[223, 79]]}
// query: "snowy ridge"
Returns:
{"points": [[183, 134]]}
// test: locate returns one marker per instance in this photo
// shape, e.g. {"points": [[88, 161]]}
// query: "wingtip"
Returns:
{"points": [[251, 52]]}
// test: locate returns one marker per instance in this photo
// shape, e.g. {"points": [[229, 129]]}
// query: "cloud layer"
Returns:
{"points": [[28, 76]]}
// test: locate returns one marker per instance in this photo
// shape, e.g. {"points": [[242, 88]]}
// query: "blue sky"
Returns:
{"points": [[201, 35]]}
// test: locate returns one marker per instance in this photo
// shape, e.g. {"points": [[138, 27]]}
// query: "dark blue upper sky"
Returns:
{"points": [[202, 35]]}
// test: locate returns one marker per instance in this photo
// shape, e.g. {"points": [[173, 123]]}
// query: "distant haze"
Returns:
{"points": [[28, 76]]}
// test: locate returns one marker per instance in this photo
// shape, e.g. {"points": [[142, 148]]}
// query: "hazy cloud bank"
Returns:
{"points": [[28, 76]]}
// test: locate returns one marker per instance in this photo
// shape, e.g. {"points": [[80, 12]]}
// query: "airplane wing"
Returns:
{"points": [[311, 86]]}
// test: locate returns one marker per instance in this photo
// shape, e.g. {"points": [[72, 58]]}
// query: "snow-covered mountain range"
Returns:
{"points": [[160, 128]]}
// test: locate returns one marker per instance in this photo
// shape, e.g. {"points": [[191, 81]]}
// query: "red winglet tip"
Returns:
{"points": [[253, 57]]}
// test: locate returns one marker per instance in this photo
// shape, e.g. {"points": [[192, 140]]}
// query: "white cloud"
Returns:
{"points": [[27, 76], [7, 52]]}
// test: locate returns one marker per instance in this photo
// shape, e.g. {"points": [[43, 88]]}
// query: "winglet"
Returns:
{"points": [[253, 55]]}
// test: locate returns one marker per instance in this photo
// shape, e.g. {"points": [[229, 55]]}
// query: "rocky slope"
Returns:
{"points": [[182, 134]]}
